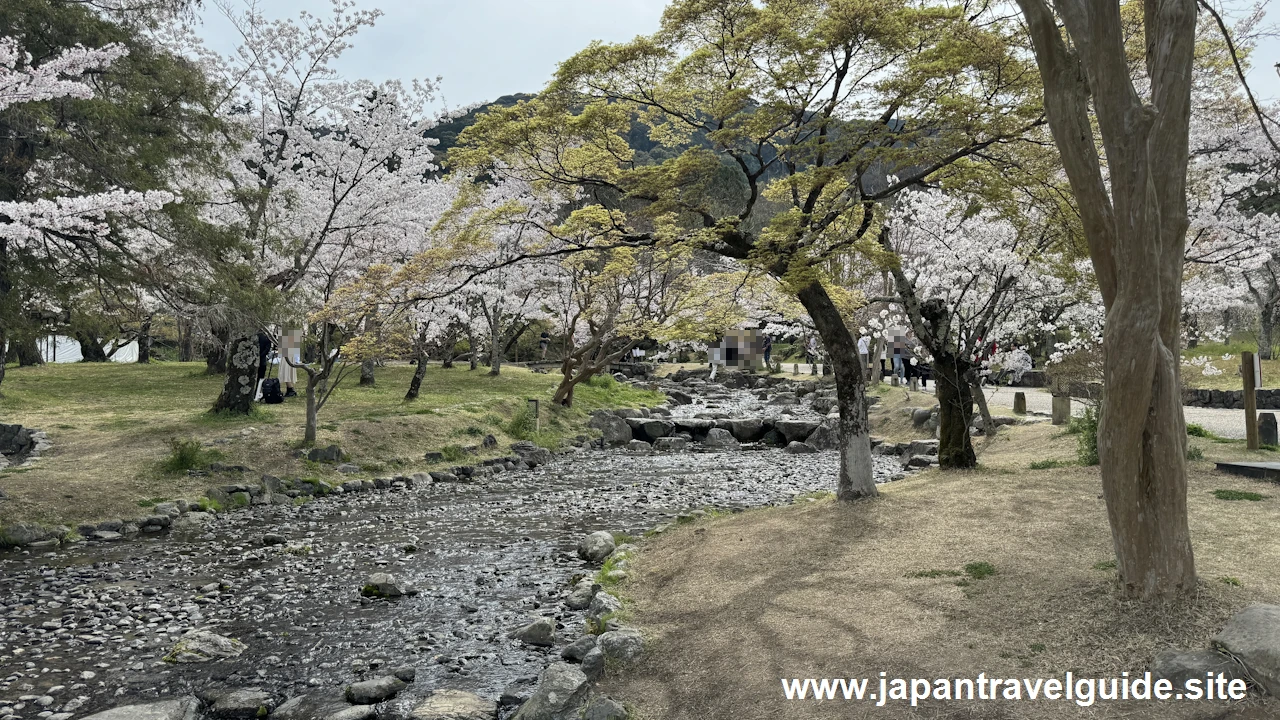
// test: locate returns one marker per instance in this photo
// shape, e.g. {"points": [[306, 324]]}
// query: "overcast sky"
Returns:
{"points": [[488, 48]]}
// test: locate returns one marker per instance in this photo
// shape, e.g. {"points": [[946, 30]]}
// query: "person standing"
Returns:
{"points": [[544, 341], [864, 354], [768, 352], [290, 352], [899, 348], [264, 350], [811, 354]]}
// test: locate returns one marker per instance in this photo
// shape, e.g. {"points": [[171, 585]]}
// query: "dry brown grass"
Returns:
{"points": [[823, 590]]}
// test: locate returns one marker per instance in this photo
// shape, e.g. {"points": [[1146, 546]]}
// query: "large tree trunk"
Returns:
{"points": [[186, 349], [857, 476], [241, 384], [955, 412], [90, 349], [27, 349], [215, 358], [1135, 222], [144, 341], [495, 354]]}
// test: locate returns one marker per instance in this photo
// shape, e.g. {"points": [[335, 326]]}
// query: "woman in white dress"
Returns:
{"points": [[290, 349]]}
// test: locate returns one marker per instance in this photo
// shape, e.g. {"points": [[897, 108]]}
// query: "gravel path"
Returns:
{"points": [[1227, 423]]}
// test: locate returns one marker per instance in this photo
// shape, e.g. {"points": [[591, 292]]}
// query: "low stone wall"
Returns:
{"points": [[1268, 399]]}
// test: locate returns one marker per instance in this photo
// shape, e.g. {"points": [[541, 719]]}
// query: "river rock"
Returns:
{"points": [[799, 448], [639, 446], [784, 398], [1252, 636], [748, 430], [670, 443], [593, 664], [796, 429], [331, 454], [679, 397], [614, 431], [603, 708], [202, 646], [574, 651], [381, 585], [720, 438], [596, 546], [621, 646], [540, 632], [22, 534], [180, 709], [238, 704], [1178, 666], [323, 705], [374, 691], [561, 694], [654, 429], [603, 604], [580, 597], [455, 705], [825, 437]]}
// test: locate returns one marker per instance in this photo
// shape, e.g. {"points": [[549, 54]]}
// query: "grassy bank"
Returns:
{"points": [[1004, 570], [114, 426]]}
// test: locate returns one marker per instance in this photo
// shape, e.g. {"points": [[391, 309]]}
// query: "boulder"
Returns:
{"points": [[374, 691], [823, 405], [180, 709], [920, 416], [1178, 666], [202, 646], [1252, 636], [621, 646], [748, 430], [540, 632], [382, 585], [679, 397], [784, 398], [720, 438], [798, 448], [238, 704], [670, 443], [639, 446], [576, 650], [773, 438], [324, 705], [796, 429], [593, 664], [331, 454], [825, 437], [922, 447], [22, 534], [561, 694], [596, 546], [696, 427], [654, 428], [614, 431], [455, 705], [603, 604], [580, 597]]}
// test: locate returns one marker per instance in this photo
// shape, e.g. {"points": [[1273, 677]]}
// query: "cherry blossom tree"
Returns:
{"points": [[966, 279]]}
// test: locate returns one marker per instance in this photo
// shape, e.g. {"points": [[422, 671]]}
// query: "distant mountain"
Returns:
{"points": [[447, 133]]}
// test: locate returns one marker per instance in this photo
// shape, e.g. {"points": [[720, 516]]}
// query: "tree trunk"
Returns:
{"points": [[857, 476], [366, 372], [215, 358], [1135, 222], [1266, 333], [186, 351], [419, 372], [144, 342], [955, 413], [90, 349], [989, 427], [4, 338], [313, 412], [495, 353], [564, 393], [474, 351], [242, 377], [28, 351]]}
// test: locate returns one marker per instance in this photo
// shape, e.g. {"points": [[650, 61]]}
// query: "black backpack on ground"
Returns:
{"points": [[271, 394]]}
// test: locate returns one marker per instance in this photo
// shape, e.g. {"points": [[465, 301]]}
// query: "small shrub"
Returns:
{"points": [[187, 455], [1037, 647], [1238, 495], [604, 382], [1228, 580], [1105, 565], [1085, 428], [1200, 431], [522, 426], [979, 570], [1194, 453], [453, 453]]}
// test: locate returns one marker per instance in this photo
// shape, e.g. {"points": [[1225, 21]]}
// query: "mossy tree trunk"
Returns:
{"points": [[241, 383]]}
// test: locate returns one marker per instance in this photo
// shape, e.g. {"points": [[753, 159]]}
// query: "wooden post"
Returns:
{"points": [[1250, 400]]}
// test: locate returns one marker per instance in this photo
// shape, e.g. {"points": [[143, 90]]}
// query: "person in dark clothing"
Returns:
{"points": [[264, 349], [768, 351]]}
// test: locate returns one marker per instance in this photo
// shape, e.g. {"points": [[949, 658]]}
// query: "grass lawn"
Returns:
{"points": [[1194, 377], [112, 425], [1004, 570]]}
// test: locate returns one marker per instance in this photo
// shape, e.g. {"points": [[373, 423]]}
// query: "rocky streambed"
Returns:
{"points": [[88, 626]]}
